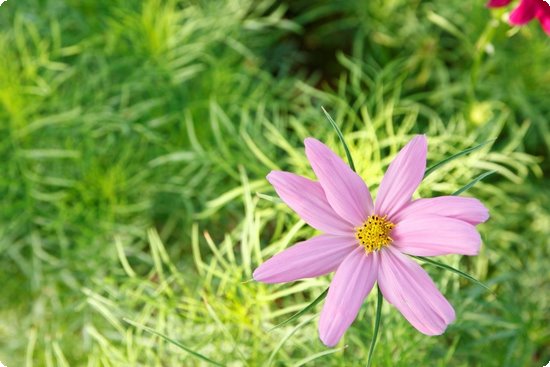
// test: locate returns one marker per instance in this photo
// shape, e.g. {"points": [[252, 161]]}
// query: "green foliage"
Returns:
{"points": [[136, 135]]}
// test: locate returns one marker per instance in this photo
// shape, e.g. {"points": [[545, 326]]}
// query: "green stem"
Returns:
{"points": [[376, 325]]}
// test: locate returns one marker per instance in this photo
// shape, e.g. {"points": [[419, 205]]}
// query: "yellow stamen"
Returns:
{"points": [[374, 233]]}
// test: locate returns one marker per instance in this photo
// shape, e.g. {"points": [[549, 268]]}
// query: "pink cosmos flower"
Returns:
{"points": [[366, 242], [526, 11]]}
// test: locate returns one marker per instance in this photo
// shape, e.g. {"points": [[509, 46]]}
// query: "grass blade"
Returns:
{"points": [[303, 310], [176, 343], [270, 198], [313, 357], [454, 270], [286, 337], [341, 137], [472, 183], [455, 156], [376, 326]]}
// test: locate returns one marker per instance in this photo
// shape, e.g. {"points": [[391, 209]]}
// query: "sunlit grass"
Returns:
{"points": [[135, 138]]}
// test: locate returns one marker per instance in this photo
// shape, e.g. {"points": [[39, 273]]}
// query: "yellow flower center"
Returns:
{"points": [[374, 233]]}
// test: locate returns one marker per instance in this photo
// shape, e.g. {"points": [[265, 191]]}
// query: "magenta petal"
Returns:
{"points": [[466, 209], [497, 3], [545, 22], [432, 235], [351, 284], [308, 200], [525, 12], [346, 192], [402, 177], [317, 256], [410, 289]]}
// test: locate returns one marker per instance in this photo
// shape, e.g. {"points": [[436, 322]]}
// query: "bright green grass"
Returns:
{"points": [[135, 138]]}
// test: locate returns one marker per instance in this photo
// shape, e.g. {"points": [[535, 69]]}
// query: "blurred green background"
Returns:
{"points": [[134, 141]]}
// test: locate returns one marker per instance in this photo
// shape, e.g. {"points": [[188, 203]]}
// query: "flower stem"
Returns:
{"points": [[376, 325]]}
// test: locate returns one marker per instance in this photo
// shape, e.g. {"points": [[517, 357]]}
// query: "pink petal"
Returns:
{"points": [[345, 190], [351, 284], [411, 290], [402, 177], [544, 9], [466, 209], [544, 19], [308, 200], [497, 3], [545, 23], [525, 12], [432, 235], [317, 256]]}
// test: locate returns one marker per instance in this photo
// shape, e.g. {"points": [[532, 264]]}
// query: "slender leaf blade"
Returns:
{"points": [[270, 198], [452, 269], [315, 356], [283, 341], [341, 137], [472, 183], [172, 341], [440, 164], [303, 310]]}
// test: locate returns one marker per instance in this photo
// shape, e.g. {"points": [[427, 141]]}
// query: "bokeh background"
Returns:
{"points": [[135, 137]]}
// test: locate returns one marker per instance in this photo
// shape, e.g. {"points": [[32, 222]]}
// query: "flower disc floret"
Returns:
{"points": [[374, 234]]}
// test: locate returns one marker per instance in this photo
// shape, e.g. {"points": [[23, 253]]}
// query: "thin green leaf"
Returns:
{"points": [[376, 326], [170, 340], [270, 198], [303, 310], [454, 270], [313, 357], [472, 183], [285, 338], [455, 156], [341, 137]]}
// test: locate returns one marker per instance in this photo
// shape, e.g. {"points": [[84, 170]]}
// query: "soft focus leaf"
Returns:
{"points": [[302, 311], [452, 269], [472, 183], [175, 342], [440, 164], [285, 338], [315, 356]]}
